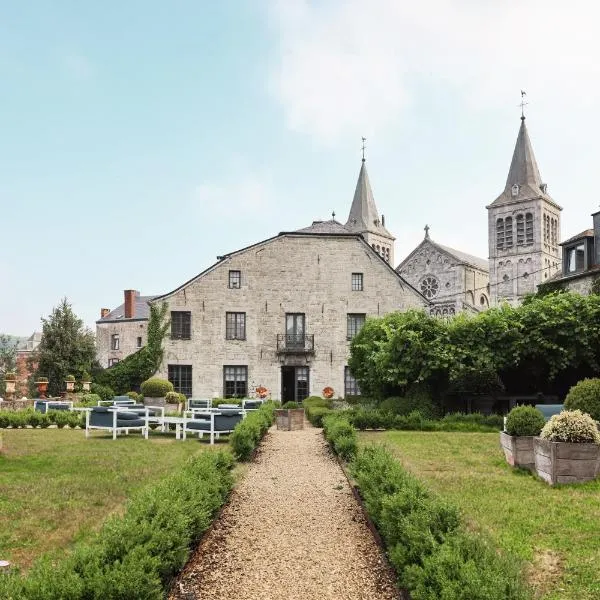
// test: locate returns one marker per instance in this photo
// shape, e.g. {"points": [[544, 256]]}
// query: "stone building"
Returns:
{"points": [[523, 229], [452, 280], [580, 262], [123, 330]]}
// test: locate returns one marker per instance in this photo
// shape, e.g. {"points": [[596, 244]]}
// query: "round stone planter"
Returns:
{"points": [[518, 450], [10, 386], [70, 385], [565, 462], [85, 386], [289, 419]]}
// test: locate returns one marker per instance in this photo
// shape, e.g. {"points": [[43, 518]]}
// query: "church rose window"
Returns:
{"points": [[429, 287]]}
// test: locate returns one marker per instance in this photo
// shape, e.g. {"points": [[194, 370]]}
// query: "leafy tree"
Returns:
{"points": [[128, 374], [67, 347]]}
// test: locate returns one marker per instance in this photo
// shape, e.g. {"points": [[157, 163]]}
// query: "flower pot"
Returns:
{"points": [[42, 388], [85, 386], [155, 401], [70, 385], [10, 386], [566, 462], [289, 419], [518, 450]]}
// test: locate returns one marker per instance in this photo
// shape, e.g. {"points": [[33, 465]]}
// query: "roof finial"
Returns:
{"points": [[523, 104], [426, 231], [333, 215], [363, 148]]}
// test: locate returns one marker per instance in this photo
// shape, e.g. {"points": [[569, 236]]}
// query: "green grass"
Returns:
{"points": [[556, 530], [56, 486]]}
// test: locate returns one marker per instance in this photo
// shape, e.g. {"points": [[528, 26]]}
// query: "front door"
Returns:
{"points": [[294, 330], [294, 384]]}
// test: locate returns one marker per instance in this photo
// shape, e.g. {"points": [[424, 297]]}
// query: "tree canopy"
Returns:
{"points": [[67, 348]]}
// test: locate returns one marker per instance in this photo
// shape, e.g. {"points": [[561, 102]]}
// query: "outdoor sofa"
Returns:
{"points": [[214, 423], [115, 420]]}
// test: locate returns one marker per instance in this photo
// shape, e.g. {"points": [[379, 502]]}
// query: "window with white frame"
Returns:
{"points": [[357, 282], [114, 341], [235, 381]]}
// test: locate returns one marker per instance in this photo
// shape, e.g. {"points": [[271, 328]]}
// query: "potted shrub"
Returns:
{"points": [[42, 386], [523, 424], [10, 379], [290, 417], [154, 391], [568, 449], [86, 381], [70, 382], [172, 401], [585, 396]]}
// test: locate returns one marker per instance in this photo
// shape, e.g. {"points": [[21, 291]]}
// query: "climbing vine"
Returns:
{"points": [[128, 374]]}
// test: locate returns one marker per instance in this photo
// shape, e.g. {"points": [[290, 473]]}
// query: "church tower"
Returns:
{"points": [[364, 218], [523, 229]]}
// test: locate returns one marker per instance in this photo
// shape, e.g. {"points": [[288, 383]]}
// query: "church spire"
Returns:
{"points": [[524, 181], [363, 212]]}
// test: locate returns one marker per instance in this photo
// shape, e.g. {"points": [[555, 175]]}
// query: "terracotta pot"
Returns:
{"points": [[42, 387]]}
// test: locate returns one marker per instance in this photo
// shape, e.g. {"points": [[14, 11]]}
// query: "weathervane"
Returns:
{"points": [[523, 104], [363, 148]]}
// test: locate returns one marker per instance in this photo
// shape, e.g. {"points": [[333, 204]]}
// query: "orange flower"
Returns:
{"points": [[328, 392], [262, 391]]}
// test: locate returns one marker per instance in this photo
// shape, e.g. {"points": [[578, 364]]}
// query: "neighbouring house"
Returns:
{"points": [[580, 262], [26, 365], [123, 330], [452, 280]]}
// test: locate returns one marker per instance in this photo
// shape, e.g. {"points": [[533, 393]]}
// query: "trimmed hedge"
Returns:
{"points": [[105, 392], [30, 418], [134, 556], [248, 432], [427, 542], [364, 418], [315, 408], [341, 435], [585, 396]]}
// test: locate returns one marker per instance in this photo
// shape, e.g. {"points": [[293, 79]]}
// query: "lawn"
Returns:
{"points": [[556, 530], [56, 486]]}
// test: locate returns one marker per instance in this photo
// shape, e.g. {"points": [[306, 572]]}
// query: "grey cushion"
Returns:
{"points": [[131, 422], [198, 425]]}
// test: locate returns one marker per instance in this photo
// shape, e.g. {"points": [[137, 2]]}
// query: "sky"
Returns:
{"points": [[141, 139]]}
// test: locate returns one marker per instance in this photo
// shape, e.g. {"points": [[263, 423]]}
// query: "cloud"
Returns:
{"points": [[78, 66], [249, 195], [354, 65]]}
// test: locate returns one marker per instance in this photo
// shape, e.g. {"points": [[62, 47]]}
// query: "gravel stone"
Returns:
{"points": [[292, 529]]}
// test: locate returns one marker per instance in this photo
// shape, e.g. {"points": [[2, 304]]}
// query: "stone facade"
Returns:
{"points": [[452, 280], [123, 330], [523, 229], [293, 273]]}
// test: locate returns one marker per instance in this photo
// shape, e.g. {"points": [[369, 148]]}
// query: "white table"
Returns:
{"points": [[177, 421]]}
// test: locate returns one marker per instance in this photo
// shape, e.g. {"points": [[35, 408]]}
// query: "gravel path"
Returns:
{"points": [[291, 530]]}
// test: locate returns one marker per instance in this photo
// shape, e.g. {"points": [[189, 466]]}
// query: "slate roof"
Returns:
{"points": [[587, 233], [326, 227], [363, 212], [142, 311], [523, 172], [462, 258]]}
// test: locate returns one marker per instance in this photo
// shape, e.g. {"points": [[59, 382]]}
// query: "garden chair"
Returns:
{"points": [[252, 403], [44, 406], [115, 421], [198, 403], [214, 423]]}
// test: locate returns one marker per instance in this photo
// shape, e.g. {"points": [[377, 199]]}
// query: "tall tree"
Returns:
{"points": [[67, 347], [8, 357]]}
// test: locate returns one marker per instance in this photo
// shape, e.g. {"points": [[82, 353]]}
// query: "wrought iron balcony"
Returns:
{"points": [[295, 343]]}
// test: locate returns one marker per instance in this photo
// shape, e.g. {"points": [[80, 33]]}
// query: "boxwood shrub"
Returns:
{"points": [[585, 396], [155, 387], [341, 435], [524, 420]]}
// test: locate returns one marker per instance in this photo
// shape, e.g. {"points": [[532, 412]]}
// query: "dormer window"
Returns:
{"points": [[575, 258], [514, 190]]}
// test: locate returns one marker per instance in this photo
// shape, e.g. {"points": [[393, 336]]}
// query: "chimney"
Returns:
{"points": [[130, 296], [104, 312], [596, 217]]}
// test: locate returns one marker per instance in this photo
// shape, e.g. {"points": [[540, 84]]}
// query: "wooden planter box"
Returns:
{"points": [[155, 401], [564, 462], [518, 450], [289, 419]]}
